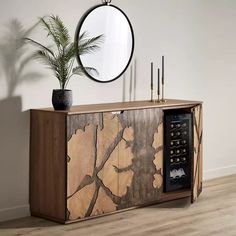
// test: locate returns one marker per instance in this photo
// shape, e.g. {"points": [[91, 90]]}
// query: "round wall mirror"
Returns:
{"points": [[115, 52]]}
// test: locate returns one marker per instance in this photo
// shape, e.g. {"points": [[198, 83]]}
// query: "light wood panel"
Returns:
{"points": [[158, 161], [197, 156], [121, 106], [108, 138], [93, 157], [81, 158], [126, 156], [214, 214]]}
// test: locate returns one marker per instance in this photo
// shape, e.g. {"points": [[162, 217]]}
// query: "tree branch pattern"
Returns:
{"points": [[105, 152]]}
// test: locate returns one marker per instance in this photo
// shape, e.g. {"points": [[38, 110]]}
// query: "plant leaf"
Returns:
{"points": [[81, 70], [70, 51], [60, 30], [61, 60], [89, 45], [50, 29], [40, 45]]}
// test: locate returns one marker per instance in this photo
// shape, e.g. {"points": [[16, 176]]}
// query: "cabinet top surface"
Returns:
{"points": [[106, 107]]}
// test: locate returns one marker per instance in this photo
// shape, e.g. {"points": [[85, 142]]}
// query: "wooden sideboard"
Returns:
{"points": [[99, 159]]}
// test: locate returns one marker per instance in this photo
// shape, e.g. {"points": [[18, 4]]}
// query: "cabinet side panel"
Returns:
{"points": [[47, 165], [198, 153]]}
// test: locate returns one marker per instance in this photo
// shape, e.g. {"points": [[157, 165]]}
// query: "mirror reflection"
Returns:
{"points": [[116, 51]]}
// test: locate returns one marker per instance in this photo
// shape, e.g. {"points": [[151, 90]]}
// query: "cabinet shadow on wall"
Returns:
{"points": [[14, 126]]}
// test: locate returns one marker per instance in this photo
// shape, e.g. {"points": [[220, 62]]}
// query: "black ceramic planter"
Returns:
{"points": [[62, 99]]}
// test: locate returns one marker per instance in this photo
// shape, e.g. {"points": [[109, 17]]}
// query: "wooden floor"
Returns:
{"points": [[213, 214]]}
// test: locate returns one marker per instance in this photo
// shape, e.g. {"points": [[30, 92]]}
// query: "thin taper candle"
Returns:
{"points": [[151, 75], [162, 93], [158, 84], [151, 81], [162, 78]]}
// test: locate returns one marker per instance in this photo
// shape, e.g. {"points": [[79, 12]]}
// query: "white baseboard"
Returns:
{"points": [[14, 212], [218, 172]]}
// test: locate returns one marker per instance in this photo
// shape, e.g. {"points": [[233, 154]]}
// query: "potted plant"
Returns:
{"points": [[60, 57]]}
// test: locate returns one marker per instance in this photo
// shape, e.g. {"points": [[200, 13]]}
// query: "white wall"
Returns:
{"points": [[196, 36]]}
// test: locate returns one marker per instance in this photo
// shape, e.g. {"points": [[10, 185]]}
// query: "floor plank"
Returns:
{"points": [[214, 213]]}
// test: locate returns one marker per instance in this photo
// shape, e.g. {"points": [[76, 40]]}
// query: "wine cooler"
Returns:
{"points": [[178, 149]]}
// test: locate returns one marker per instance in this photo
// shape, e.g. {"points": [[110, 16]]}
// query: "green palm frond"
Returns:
{"points": [[60, 31], [89, 45], [80, 70], [70, 51], [90, 41], [84, 35], [51, 32], [61, 58], [88, 49], [47, 60], [39, 45]]}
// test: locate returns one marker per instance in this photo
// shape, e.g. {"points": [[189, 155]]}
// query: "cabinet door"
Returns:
{"points": [[114, 161], [197, 162], [92, 177], [140, 157]]}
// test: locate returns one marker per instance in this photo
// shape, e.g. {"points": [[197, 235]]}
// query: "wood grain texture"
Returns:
{"points": [[80, 158], [104, 161], [125, 173], [79, 202], [47, 164], [158, 161], [101, 172], [214, 214], [121, 106], [198, 155], [174, 195], [124, 170], [104, 204], [144, 124], [107, 152]]}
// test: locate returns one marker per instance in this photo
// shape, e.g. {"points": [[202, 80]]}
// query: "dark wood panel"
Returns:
{"points": [[146, 183], [175, 195], [47, 165]]}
